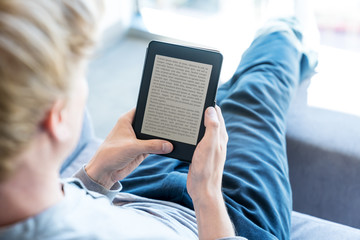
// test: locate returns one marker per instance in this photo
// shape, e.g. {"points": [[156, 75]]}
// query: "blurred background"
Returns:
{"points": [[332, 27], [323, 134]]}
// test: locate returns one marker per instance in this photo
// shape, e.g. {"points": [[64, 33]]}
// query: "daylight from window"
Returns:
{"points": [[229, 26]]}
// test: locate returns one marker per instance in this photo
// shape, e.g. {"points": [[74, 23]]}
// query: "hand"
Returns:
{"points": [[205, 176], [206, 169], [122, 152]]}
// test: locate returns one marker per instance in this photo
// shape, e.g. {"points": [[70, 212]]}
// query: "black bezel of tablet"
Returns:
{"points": [[181, 151]]}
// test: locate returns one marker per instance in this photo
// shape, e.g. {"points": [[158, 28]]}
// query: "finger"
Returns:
{"points": [[130, 115], [123, 122], [220, 116], [155, 146], [211, 123], [211, 118], [222, 122]]}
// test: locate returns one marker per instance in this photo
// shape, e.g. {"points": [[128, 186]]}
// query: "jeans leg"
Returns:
{"points": [[161, 178], [254, 104]]}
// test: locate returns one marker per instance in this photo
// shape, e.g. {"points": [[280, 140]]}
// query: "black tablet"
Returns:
{"points": [[178, 84]]}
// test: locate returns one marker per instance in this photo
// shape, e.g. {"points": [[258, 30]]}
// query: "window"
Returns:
{"points": [[229, 25]]}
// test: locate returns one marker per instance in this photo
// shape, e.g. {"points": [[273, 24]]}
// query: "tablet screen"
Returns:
{"points": [[176, 99]]}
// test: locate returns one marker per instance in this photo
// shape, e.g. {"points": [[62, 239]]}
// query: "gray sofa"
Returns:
{"points": [[323, 150], [324, 160]]}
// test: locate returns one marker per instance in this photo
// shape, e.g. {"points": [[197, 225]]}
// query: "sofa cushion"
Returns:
{"points": [[311, 228], [324, 164]]}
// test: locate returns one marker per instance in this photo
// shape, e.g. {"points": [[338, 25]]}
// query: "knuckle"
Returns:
{"points": [[129, 144], [153, 146], [214, 124], [146, 145], [222, 148], [226, 137], [119, 120]]}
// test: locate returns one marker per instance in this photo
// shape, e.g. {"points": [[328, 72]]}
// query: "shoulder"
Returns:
{"points": [[84, 214]]}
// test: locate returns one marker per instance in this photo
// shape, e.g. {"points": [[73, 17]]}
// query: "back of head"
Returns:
{"points": [[41, 44]]}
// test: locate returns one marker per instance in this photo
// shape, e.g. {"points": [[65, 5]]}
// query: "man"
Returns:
{"points": [[237, 183]]}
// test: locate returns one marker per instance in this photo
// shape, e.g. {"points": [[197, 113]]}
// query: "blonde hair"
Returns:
{"points": [[41, 44]]}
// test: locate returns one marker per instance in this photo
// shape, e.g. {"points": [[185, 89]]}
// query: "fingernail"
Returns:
{"points": [[166, 147], [211, 112]]}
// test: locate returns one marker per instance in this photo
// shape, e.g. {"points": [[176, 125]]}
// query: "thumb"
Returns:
{"points": [[211, 121], [156, 146]]}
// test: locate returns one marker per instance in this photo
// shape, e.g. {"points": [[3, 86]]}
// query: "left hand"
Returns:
{"points": [[206, 170], [205, 176], [122, 152]]}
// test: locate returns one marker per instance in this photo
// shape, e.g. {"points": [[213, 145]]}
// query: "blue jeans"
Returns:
{"points": [[254, 103]]}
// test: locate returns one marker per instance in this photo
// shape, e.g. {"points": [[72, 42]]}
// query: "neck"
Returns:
{"points": [[23, 197], [33, 188]]}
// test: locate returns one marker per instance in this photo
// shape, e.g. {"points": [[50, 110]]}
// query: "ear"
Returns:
{"points": [[55, 122]]}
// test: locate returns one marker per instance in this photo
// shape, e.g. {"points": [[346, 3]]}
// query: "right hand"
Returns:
{"points": [[122, 152], [206, 170]]}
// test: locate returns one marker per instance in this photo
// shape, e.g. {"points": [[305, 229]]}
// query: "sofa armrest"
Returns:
{"points": [[324, 164]]}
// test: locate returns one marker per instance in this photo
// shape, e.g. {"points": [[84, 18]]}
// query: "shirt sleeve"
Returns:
{"points": [[91, 185]]}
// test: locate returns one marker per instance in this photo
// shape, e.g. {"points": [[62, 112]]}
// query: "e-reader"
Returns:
{"points": [[178, 84]]}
